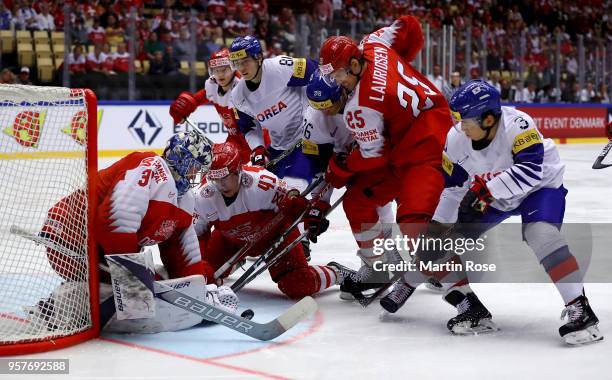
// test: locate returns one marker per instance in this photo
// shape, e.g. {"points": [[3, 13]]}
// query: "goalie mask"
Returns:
{"points": [[189, 156]]}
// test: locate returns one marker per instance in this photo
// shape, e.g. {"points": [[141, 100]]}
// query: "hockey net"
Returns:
{"points": [[48, 153]]}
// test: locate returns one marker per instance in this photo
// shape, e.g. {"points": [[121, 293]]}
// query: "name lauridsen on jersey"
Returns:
{"points": [[379, 76]]}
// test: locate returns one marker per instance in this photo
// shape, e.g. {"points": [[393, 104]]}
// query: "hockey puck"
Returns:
{"points": [[248, 314]]}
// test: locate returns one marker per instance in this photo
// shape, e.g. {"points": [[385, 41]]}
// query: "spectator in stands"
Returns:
{"points": [[157, 64], [152, 45], [96, 59], [24, 76], [202, 52], [96, 34], [79, 31], [6, 17], [456, 81], [76, 60], [44, 20], [529, 93], [26, 16], [437, 79], [505, 90], [7, 77], [171, 64], [494, 61], [244, 22], [494, 80], [114, 31], [587, 94], [230, 26], [182, 45], [323, 13], [108, 63], [121, 59]]}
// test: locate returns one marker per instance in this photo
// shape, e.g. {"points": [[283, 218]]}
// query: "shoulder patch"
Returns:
{"points": [[525, 140], [208, 191], [447, 164], [299, 67], [246, 180], [521, 122]]}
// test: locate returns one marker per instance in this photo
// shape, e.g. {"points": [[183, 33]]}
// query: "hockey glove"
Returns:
{"points": [[337, 173], [314, 221], [183, 106], [476, 201], [293, 205], [259, 156]]}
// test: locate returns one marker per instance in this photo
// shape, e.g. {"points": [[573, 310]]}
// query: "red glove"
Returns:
{"points": [[259, 156], [293, 205], [314, 221], [183, 106], [337, 173], [478, 198], [609, 130]]}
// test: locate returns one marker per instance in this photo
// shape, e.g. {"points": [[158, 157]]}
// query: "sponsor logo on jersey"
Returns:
{"points": [[166, 229], [271, 112], [159, 175], [365, 136], [145, 127], [447, 165], [299, 67], [379, 75], [26, 128], [525, 140]]}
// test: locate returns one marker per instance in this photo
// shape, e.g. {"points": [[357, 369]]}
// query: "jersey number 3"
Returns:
{"points": [[409, 89]]}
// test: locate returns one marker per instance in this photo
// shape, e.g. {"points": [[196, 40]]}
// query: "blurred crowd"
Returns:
{"points": [[513, 43]]}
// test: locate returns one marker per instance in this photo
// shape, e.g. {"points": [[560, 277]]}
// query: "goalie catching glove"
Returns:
{"points": [[259, 156]]}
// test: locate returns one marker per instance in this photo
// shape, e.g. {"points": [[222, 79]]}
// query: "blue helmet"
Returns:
{"points": [[188, 154], [473, 99], [322, 91], [242, 47]]}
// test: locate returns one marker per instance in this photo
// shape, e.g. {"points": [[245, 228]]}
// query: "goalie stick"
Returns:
{"points": [[268, 227], [270, 258], [598, 161], [261, 331]]}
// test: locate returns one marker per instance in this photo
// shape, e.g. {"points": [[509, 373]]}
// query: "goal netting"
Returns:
{"points": [[48, 161]]}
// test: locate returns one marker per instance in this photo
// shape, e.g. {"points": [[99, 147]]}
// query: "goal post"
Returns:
{"points": [[48, 171]]}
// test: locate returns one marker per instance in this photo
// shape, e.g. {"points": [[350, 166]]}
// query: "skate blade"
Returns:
{"points": [[347, 296], [485, 326], [433, 288], [589, 335]]}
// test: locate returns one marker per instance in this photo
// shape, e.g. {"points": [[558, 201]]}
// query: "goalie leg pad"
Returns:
{"points": [[167, 316]]}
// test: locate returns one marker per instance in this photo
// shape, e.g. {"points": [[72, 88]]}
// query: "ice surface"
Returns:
{"points": [[345, 341]]}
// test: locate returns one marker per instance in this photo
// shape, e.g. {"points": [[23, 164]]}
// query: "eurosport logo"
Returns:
{"points": [[145, 127]]}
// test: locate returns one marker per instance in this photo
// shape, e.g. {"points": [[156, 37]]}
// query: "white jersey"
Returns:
{"points": [[277, 104], [521, 160], [213, 95], [256, 202], [320, 128]]}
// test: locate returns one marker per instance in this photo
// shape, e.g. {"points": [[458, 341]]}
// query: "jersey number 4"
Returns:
{"points": [[409, 87]]}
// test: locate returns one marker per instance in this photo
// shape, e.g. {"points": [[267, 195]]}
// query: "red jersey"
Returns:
{"points": [[138, 205], [395, 114]]}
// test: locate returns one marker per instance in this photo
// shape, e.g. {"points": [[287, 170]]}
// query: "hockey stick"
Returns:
{"points": [[261, 331], [283, 155], [270, 258], [597, 164], [269, 226]]}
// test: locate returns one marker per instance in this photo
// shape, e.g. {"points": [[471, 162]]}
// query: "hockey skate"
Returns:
{"points": [[397, 297], [581, 327], [354, 283], [472, 318], [434, 285]]}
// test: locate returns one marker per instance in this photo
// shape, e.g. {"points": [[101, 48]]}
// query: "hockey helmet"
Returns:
{"points": [[226, 160], [336, 53], [322, 91], [243, 47], [475, 98], [219, 59], [189, 155]]}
